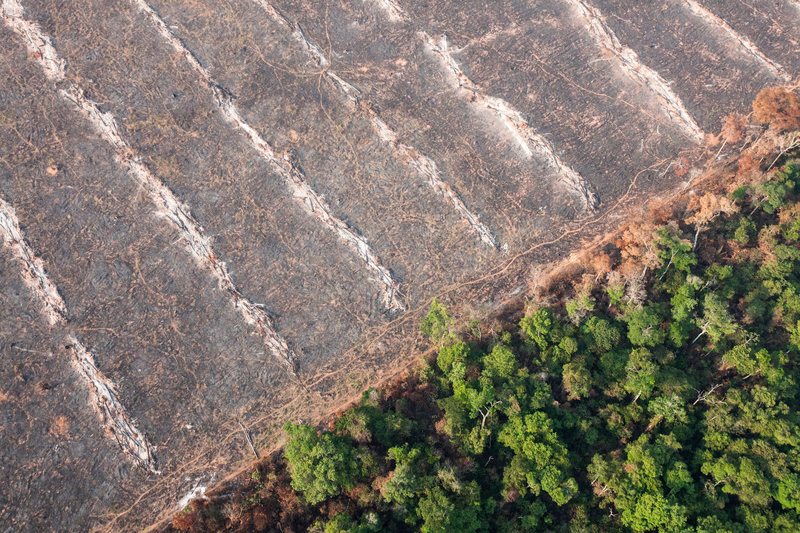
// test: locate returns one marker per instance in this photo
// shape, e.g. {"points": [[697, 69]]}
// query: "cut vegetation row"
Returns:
{"points": [[642, 74], [34, 273], [529, 141], [132, 441], [288, 169], [409, 155], [746, 45], [297, 32], [106, 402]]}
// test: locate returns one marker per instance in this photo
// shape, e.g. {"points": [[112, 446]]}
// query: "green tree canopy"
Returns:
{"points": [[321, 465]]}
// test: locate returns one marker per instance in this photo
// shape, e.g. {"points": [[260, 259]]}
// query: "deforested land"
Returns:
{"points": [[219, 217]]}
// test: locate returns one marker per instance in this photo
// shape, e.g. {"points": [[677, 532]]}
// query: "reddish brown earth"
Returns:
{"points": [[184, 362]]}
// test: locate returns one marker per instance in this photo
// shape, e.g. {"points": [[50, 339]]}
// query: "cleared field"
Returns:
{"points": [[545, 79], [158, 326], [769, 25], [222, 212], [708, 68], [48, 435]]}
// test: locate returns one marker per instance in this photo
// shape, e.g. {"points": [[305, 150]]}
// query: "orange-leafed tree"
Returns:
{"points": [[681, 166], [734, 127], [745, 163], [707, 208], [778, 107]]}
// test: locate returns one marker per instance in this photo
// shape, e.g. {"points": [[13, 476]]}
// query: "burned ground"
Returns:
{"points": [[183, 360]]}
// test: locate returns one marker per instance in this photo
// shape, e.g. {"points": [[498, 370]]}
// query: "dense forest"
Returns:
{"points": [[654, 389]]}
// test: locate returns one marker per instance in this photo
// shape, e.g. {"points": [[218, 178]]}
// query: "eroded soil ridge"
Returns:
{"points": [[530, 141], [293, 175], [644, 75], [751, 49], [166, 203]]}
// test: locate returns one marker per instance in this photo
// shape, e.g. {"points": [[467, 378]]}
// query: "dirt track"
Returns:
{"points": [[160, 325]]}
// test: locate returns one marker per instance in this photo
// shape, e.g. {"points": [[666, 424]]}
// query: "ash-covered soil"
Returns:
{"points": [[315, 149]]}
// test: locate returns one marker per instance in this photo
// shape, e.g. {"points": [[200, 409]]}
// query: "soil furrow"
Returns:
{"points": [[34, 274], [749, 48], [606, 38], [528, 139], [198, 243], [288, 168]]}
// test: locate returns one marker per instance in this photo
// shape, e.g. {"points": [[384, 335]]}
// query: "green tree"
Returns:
{"points": [[746, 230], [788, 491], [643, 486], [320, 465], [410, 475], [641, 372], [435, 509], [673, 250], [452, 354], [579, 306], [746, 361], [577, 379], [668, 408], [612, 367], [540, 461], [501, 364], [742, 476], [653, 512], [770, 195], [542, 327], [437, 323], [716, 321], [341, 523], [441, 513], [683, 303], [600, 335], [644, 326]]}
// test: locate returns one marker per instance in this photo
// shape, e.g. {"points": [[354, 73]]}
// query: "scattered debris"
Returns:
{"points": [[529, 140], [247, 437], [293, 175], [743, 41], [642, 74]]}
